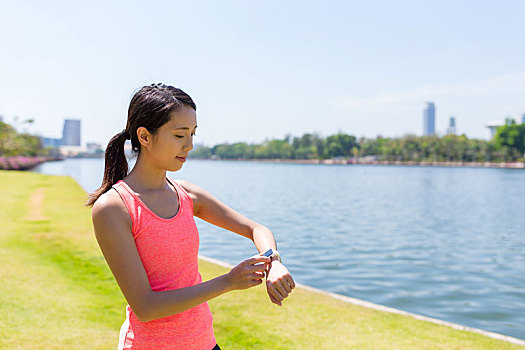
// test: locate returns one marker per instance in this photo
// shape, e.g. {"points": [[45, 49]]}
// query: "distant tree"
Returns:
{"points": [[223, 151], [274, 149], [13, 143], [410, 148], [340, 145], [511, 138], [7, 133], [305, 147], [240, 150], [201, 152]]}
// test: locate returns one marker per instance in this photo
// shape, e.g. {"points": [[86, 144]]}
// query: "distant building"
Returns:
{"points": [[451, 126], [493, 126], [94, 148], [523, 119], [71, 132], [51, 142], [70, 151], [429, 119]]}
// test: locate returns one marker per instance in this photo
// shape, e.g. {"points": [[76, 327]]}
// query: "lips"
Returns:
{"points": [[182, 159]]}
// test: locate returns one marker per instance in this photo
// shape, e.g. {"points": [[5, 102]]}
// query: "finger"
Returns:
{"points": [[280, 288], [260, 255], [290, 281], [254, 282], [285, 284], [257, 259], [258, 275], [271, 290], [260, 268], [275, 301]]}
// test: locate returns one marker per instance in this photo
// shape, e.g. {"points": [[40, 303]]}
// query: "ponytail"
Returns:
{"points": [[115, 168]]}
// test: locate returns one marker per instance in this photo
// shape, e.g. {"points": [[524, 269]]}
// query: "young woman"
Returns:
{"points": [[144, 226]]}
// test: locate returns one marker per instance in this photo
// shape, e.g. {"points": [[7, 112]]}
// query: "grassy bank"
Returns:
{"points": [[57, 292]]}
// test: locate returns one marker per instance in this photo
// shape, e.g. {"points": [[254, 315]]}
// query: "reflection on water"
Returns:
{"points": [[442, 242]]}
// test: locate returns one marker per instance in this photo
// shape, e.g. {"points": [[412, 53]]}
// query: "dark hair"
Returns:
{"points": [[150, 107]]}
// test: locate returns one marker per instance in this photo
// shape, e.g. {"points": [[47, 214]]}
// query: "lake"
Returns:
{"points": [[448, 243]]}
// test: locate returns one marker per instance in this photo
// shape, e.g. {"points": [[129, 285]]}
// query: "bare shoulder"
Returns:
{"points": [[197, 194], [109, 207], [192, 189]]}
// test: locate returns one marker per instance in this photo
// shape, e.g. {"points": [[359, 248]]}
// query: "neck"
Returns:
{"points": [[146, 176]]}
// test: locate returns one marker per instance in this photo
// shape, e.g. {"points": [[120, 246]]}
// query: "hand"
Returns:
{"points": [[279, 282], [248, 273]]}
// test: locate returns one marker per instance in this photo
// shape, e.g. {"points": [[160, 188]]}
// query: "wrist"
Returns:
{"points": [[276, 256], [226, 283], [275, 261]]}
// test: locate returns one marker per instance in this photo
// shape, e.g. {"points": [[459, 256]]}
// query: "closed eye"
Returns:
{"points": [[181, 136]]}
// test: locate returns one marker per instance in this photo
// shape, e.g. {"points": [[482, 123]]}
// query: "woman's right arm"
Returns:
{"points": [[112, 225]]}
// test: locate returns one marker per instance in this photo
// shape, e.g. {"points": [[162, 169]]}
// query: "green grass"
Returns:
{"points": [[58, 293]]}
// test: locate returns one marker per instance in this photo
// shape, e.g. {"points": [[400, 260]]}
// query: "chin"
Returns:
{"points": [[174, 167]]}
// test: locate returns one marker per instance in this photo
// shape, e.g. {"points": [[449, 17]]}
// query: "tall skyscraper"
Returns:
{"points": [[429, 119], [451, 125], [71, 132]]}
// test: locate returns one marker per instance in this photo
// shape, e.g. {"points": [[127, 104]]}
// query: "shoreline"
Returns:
{"points": [[379, 307], [503, 165]]}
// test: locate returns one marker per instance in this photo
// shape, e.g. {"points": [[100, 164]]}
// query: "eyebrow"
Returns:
{"points": [[185, 128]]}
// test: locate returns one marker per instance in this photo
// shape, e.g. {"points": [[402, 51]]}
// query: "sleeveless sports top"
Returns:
{"points": [[169, 251]]}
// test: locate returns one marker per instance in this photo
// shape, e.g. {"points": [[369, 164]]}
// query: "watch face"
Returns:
{"points": [[268, 253]]}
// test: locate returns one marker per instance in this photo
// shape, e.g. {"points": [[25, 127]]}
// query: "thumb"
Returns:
{"points": [[257, 259]]}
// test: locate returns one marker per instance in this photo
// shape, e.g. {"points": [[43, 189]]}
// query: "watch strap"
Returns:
{"points": [[276, 255]]}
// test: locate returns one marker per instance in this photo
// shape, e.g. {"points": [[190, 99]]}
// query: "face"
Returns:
{"points": [[172, 142]]}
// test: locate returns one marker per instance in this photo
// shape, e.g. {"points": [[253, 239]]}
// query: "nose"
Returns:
{"points": [[188, 146]]}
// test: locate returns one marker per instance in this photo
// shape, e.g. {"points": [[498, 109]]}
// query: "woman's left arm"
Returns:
{"points": [[279, 282]]}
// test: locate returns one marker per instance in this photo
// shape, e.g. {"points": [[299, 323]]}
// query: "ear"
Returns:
{"points": [[144, 136]]}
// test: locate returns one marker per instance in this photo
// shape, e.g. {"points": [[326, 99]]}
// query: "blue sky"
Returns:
{"points": [[263, 69]]}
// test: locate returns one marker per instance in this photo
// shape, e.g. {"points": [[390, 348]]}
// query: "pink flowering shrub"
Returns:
{"points": [[20, 162]]}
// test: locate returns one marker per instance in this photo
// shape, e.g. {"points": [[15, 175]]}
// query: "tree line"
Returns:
{"points": [[507, 145], [14, 143]]}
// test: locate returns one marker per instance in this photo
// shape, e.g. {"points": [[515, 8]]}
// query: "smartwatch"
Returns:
{"points": [[273, 253]]}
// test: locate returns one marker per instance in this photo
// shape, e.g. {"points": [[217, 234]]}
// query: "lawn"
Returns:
{"points": [[58, 293]]}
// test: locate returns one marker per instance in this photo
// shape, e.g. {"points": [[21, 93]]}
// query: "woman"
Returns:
{"points": [[144, 226]]}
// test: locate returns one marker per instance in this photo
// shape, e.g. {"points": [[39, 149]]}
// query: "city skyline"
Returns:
{"points": [[264, 70], [429, 119]]}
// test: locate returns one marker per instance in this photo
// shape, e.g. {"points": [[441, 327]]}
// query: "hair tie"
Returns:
{"points": [[125, 134]]}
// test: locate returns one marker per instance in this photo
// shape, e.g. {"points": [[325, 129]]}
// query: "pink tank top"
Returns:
{"points": [[169, 251]]}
